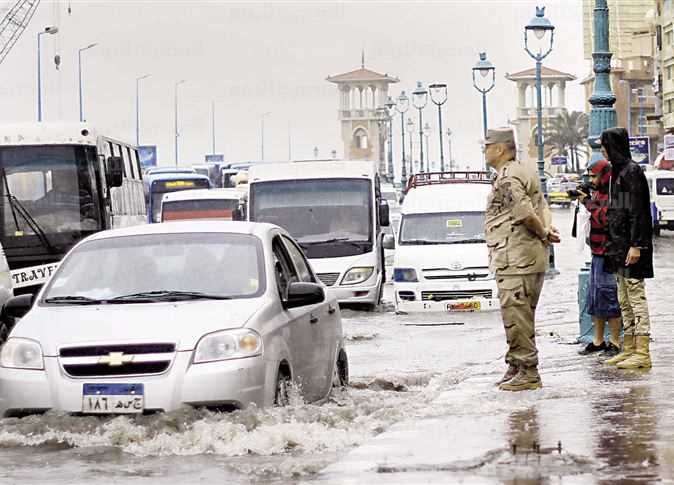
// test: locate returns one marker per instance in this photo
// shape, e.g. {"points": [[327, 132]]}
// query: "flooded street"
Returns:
{"points": [[421, 408]]}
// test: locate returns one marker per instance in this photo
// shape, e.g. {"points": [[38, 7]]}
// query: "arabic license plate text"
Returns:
{"points": [[112, 398], [466, 306]]}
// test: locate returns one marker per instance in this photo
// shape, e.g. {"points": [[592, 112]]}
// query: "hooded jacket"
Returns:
{"points": [[629, 214]]}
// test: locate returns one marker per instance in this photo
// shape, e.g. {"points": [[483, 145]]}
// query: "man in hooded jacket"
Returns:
{"points": [[629, 251]]}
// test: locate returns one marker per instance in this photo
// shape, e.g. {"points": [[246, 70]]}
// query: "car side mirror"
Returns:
{"points": [[384, 219], [16, 307], [304, 294], [389, 242], [114, 171]]}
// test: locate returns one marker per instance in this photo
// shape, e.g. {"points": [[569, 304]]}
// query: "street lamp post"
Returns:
{"points": [[381, 116], [451, 158], [540, 26], [79, 64], [410, 131], [175, 114], [485, 68], [439, 97], [390, 111], [427, 134], [138, 80], [402, 106], [262, 117], [419, 99], [47, 30]]}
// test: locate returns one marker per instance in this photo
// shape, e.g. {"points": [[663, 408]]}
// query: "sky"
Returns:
{"points": [[273, 57]]}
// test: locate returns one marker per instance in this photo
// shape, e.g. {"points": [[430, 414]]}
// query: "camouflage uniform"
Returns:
{"points": [[517, 257]]}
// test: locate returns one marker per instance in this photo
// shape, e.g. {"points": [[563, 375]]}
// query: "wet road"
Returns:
{"points": [[406, 378]]}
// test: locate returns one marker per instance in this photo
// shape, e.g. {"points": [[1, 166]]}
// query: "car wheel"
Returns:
{"points": [[283, 385], [340, 376]]}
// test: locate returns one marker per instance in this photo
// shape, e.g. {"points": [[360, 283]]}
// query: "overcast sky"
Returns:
{"points": [[255, 57]]}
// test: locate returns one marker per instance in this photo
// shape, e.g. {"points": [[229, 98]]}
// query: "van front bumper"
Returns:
{"points": [[467, 296], [230, 383], [449, 306]]}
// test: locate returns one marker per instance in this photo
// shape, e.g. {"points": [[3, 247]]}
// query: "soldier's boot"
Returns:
{"points": [[525, 380], [509, 374], [629, 346], [641, 358]]}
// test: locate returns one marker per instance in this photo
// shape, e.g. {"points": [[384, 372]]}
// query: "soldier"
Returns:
{"points": [[518, 235]]}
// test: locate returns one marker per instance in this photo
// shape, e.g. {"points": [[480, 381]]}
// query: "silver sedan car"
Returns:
{"points": [[156, 317]]}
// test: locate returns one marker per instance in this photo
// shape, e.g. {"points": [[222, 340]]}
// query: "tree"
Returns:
{"points": [[567, 134]]}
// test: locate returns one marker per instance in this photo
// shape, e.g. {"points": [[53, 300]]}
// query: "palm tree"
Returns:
{"points": [[567, 134]]}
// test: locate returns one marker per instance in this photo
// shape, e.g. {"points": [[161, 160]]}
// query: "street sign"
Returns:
{"points": [[558, 160], [147, 155], [640, 148], [215, 158], [669, 148]]}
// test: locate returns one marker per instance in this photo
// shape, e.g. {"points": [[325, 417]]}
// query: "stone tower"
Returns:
{"points": [[553, 87], [361, 93]]}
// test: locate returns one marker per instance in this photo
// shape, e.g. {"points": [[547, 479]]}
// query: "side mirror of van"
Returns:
{"points": [[384, 219], [16, 307], [389, 242], [114, 171]]}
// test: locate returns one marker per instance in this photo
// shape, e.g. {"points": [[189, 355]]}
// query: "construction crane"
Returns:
{"points": [[14, 23]]}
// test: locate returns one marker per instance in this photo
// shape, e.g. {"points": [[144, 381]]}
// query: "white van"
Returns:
{"points": [[218, 204], [442, 262], [335, 211], [661, 185]]}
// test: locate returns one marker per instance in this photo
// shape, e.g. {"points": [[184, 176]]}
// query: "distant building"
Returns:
{"points": [[554, 103], [361, 93], [663, 44]]}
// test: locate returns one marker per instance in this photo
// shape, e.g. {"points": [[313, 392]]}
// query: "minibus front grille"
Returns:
{"points": [[455, 295], [328, 279]]}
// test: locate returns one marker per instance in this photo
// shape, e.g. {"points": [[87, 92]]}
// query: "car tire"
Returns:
{"points": [[340, 377], [282, 393]]}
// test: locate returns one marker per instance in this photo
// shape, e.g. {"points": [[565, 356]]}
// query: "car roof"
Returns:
{"points": [[457, 197], [185, 227], [312, 170], [204, 194], [175, 176]]}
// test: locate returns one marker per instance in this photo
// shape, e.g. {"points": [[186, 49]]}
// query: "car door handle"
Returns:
{"points": [[313, 319]]}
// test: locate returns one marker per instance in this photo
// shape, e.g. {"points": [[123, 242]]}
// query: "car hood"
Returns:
{"points": [[455, 257], [181, 322]]}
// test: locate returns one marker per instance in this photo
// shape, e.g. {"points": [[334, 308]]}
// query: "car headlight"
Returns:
{"points": [[405, 275], [357, 275], [228, 344], [21, 353]]}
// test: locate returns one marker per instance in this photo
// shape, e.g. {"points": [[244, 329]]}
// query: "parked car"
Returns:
{"points": [[162, 316]]}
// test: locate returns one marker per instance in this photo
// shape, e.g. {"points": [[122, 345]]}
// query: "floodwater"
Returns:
{"points": [[421, 408]]}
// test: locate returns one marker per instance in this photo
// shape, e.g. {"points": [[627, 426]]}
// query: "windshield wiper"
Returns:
{"points": [[333, 240], [167, 295], [73, 300]]}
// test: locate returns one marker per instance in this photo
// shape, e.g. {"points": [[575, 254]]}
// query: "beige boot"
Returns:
{"points": [[628, 349], [641, 359]]}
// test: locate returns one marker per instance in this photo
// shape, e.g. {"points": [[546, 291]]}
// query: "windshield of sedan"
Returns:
{"points": [[155, 266], [443, 228]]}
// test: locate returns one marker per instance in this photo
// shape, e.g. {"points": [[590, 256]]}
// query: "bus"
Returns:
{"points": [[335, 211], [162, 183], [61, 182]]}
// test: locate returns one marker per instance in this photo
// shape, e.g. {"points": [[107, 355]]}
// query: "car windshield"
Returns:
{"points": [[223, 265], [443, 228], [176, 210], [316, 211]]}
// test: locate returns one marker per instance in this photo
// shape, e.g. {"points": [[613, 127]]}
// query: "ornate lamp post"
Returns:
{"points": [[451, 159], [427, 134], [602, 114], [410, 131], [390, 111], [541, 28], [439, 97], [402, 106], [381, 115], [485, 68], [420, 99]]}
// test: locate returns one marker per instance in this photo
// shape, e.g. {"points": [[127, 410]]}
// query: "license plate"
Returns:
{"points": [[112, 398], [465, 306]]}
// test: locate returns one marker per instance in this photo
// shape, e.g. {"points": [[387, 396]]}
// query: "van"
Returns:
{"points": [[335, 211], [216, 204], [661, 186], [441, 263]]}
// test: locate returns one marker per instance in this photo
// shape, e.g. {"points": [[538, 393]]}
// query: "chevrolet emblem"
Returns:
{"points": [[115, 359]]}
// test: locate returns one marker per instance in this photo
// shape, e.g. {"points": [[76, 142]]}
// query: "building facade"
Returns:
{"points": [[663, 40], [361, 93]]}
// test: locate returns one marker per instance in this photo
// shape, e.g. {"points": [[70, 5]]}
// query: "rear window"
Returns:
{"points": [[665, 186], [199, 209]]}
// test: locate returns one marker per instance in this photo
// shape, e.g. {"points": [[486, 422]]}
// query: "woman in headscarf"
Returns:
{"points": [[629, 251], [602, 292]]}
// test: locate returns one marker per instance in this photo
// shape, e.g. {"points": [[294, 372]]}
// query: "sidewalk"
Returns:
{"points": [[611, 424]]}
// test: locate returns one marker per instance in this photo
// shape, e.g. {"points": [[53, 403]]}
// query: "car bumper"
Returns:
{"points": [[453, 306], [468, 296], [353, 294], [233, 383]]}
